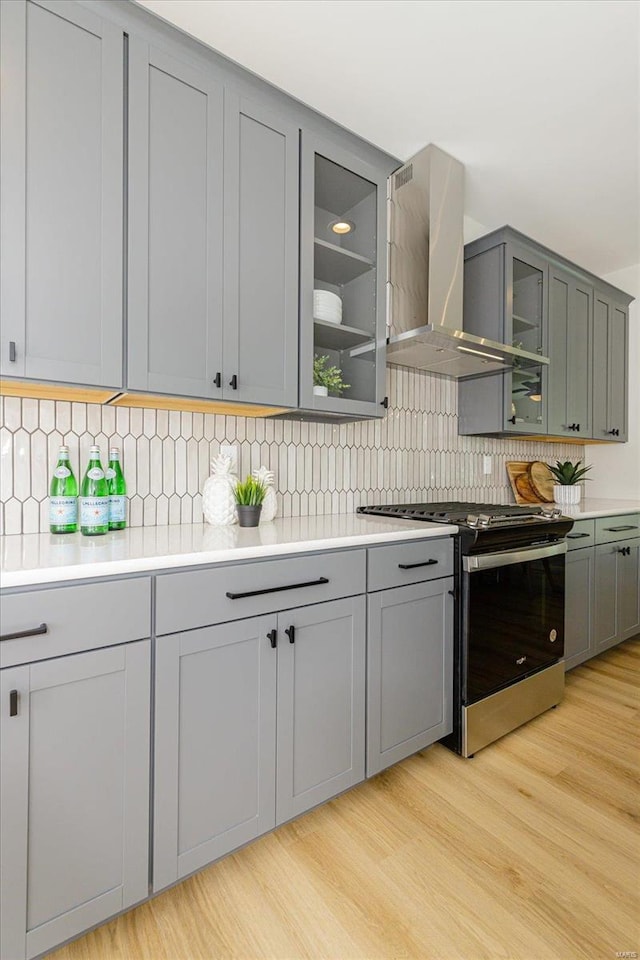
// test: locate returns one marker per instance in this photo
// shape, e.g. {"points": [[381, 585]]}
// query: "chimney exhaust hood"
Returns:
{"points": [[426, 262]]}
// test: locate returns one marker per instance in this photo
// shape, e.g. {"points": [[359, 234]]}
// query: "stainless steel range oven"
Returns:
{"points": [[509, 624]]}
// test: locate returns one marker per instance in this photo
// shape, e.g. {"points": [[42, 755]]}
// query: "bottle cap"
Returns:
{"points": [[114, 453], [64, 448], [94, 449]]}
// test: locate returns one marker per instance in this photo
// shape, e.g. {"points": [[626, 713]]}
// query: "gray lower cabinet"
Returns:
{"points": [[321, 703], [409, 671], [74, 791], [579, 606], [217, 782], [215, 747], [617, 592], [610, 373], [61, 135]]}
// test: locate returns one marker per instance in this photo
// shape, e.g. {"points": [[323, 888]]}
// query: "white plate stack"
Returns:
{"points": [[327, 306]]}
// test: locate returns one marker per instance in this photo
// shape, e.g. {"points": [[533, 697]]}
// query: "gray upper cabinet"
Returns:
{"points": [[260, 255], [61, 224], [343, 253], [175, 226], [520, 292], [610, 375], [74, 792], [571, 353]]}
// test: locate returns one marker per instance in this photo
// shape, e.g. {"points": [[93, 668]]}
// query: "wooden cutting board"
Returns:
{"points": [[531, 481]]}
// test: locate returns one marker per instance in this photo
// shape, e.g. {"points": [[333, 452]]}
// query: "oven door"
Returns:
{"points": [[513, 621]]}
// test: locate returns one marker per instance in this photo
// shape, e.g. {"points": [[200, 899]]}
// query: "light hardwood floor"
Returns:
{"points": [[529, 851]]}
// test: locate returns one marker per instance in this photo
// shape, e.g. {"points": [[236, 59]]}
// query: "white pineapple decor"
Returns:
{"points": [[218, 498], [270, 504]]}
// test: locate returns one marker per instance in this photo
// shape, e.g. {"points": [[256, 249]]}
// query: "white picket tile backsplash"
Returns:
{"points": [[415, 453]]}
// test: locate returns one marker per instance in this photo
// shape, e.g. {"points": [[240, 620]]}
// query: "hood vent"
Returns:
{"points": [[426, 263]]}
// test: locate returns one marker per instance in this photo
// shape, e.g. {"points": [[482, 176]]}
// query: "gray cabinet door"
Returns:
{"points": [[570, 352], [321, 703], [214, 744], [409, 671], [61, 204], [610, 368], [74, 794], [261, 255], [579, 607], [175, 226], [617, 593]]}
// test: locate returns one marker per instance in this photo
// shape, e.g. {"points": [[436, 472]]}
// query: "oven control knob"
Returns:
{"points": [[521, 660], [553, 636], [551, 513], [473, 521]]}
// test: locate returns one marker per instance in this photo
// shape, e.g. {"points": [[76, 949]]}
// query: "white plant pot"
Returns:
{"points": [[321, 391], [568, 494]]}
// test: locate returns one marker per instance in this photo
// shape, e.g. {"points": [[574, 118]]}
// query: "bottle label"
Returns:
{"points": [[94, 511], [95, 473], [62, 472], [110, 473], [117, 509], [63, 511]]}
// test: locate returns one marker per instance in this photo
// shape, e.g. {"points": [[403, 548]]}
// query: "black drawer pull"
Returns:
{"points": [[576, 536], [625, 551], [34, 632], [412, 566], [629, 526], [291, 633], [272, 637], [290, 586], [13, 703]]}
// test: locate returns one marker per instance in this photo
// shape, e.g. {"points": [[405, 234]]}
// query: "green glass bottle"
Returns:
{"points": [[117, 492], [94, 498], [63, 496]]}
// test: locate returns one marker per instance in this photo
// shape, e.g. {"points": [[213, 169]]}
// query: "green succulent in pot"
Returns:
{"points": [[249, 495], [568, 473]]}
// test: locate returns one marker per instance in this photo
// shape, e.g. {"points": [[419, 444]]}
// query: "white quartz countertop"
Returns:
{"points": [[41, 558], [589, 508]]}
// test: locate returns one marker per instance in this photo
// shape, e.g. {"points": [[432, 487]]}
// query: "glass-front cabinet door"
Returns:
{"points": [[526, 329], [342, 282]]}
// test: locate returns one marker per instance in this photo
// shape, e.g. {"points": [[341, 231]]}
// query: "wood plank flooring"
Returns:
{"points": [[530, 851]]}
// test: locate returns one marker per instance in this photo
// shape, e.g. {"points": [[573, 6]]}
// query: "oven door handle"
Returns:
{"points": [[489, 561]]}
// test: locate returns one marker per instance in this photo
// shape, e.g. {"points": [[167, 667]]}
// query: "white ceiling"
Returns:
{"points": [[540, 99]]}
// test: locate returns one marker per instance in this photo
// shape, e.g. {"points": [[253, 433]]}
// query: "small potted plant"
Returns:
{"points": [[567, 490], [327, 379], [249, 495]]}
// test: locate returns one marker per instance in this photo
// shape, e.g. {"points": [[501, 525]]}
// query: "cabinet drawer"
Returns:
{"points": [[77, 618], [583, 534], [197, 598], [610, 529], [411, 562]]}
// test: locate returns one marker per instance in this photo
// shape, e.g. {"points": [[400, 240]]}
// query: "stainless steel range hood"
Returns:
{"points": [[426, 259]]}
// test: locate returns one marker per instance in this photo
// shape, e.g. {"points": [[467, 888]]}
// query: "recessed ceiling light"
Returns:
{"points": [[342, 226]]}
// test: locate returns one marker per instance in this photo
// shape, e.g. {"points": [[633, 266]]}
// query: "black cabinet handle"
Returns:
{"points": [[233, 383], [629, 526], [291, 633], [12, 351], [272, 637], [34, 632], [625, 551], [576, 536], [13, 703], [412, 566], [217, 380], [385, 403], [512, 419], [289, 586], [615, 432]]}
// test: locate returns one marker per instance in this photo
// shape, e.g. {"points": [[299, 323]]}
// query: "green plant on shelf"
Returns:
{"points": [[250, 492], [568, 473], [328, 376]]}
